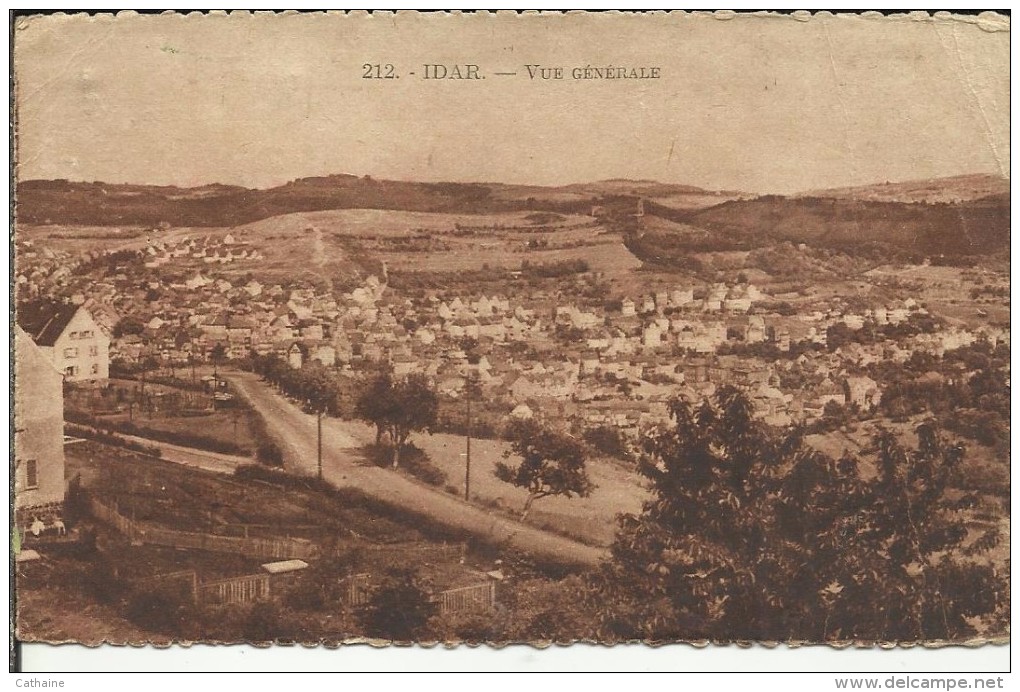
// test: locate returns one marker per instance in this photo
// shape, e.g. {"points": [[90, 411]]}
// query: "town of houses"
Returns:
{"points": [[615, 363]]}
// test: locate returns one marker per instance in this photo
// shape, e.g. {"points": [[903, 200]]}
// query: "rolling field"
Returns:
{"points": [[326, 242], [82, 239], [295, 235], [380, 222], [608, 255], [320, 244]]}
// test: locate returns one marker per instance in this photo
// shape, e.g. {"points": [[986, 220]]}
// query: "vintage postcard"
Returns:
{"points": [[500, 327]]}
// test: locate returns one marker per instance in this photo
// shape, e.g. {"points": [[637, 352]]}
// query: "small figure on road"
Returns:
{"points": [[58, 524], [37, 526]]}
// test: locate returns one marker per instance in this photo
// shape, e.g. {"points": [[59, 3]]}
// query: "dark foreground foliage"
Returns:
{"points": [[752, 535]]}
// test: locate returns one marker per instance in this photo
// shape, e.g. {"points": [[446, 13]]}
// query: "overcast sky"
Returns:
{"points": [[750, 103]]}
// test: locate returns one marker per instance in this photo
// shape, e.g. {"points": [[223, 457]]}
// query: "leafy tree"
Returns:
{"points": [[128, 325], [751, 535], [313, 383], [375, 403], [398, 408], [218, 353], [318, 387], [552, 463], [399, 608], [416, 408], [608, 440]]}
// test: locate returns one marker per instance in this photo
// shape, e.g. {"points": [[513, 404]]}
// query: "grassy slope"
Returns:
{"points": [[969, 228]]}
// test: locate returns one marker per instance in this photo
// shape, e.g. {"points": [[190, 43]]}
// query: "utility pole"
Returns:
{"points": [[467, 469], [319, 419]]}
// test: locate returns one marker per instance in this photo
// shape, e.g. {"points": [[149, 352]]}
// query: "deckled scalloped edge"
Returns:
{"points": [[987, 21], [168, 643]]}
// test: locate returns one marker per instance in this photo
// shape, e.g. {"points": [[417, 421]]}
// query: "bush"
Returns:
{"points": [[399, 608], [75, 503], [413, 460], [266, 449], [269, 453], [608, 441]]}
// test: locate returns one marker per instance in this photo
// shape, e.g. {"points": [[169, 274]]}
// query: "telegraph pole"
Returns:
{"points": [[470, 385], [319, 420], [467, 469]]}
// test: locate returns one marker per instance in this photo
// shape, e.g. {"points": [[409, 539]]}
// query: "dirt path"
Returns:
{"points": [[318, 248], [343, 465], [189, 456]]}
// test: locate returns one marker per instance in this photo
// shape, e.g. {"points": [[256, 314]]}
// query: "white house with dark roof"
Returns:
{"points": [[76, 345]]}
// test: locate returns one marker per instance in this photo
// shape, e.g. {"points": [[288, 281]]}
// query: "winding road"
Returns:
{"points": [[344, 465]]}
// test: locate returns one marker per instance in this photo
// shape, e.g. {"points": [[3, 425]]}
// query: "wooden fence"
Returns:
{"points": [[112, 517], [474, 597], [356, 589], [276, 548], [246, 589]]}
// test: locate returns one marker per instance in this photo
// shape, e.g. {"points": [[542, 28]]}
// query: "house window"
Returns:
{"points": [[70, 371], [95, 369], [73, 335], [70, 353], [31, 474], [86, 334], [93, 350]]}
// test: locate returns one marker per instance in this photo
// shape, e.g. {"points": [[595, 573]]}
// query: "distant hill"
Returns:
{"points": [[964, 215], [973, 227], [102, 204], [960, 188], [637, 188]]}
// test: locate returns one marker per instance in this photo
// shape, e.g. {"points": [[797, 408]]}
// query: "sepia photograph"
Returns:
{"points": [[494, 328]]}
